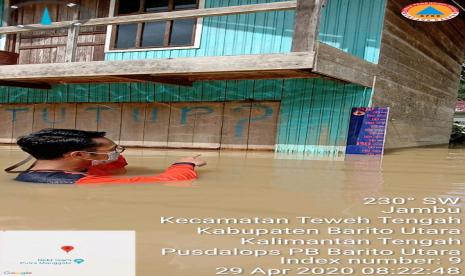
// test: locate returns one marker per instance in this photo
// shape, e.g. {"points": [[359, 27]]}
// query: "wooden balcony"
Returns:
{"points": [[308, 58]]}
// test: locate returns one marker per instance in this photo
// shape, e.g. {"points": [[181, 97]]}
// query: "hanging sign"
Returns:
{"points": [[367, 130]]}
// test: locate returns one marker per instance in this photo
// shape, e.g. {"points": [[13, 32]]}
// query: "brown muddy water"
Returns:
{"points": [[232, 185]]}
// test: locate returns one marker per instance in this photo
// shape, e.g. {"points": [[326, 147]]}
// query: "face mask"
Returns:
{"points": [[111, 157]]}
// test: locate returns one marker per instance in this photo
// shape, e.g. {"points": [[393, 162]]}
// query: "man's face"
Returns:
{"points": [[104, 146]]}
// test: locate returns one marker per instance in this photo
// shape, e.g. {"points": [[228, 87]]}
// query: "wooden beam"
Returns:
{"points": [[307, 25], [180, 81], [329, 62], [39, 85], [258, 75], [152, 17], [323, 76], [243, 63], [338, 64]]}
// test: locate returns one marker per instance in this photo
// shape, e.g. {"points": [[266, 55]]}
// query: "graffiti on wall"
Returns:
{"points": [[242, 125]]}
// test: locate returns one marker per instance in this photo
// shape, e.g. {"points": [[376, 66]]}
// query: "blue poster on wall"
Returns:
{"points": [[367, 130]]}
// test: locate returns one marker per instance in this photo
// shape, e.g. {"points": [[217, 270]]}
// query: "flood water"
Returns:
{"points": [[234, 185]]}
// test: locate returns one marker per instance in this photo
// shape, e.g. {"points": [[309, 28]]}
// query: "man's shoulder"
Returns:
{"points": [[50, 177]]}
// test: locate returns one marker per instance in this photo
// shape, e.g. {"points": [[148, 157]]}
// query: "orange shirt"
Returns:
{"points": [[176, 172]]}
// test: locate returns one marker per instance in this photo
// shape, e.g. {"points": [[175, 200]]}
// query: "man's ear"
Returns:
{"points": [[77, 154]]}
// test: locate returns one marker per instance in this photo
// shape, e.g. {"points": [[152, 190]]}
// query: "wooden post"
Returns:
{"points": [[71, 43], [307, 23]]}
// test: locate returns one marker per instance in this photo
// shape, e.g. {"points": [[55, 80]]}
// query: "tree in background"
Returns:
{"points": [[457, 137], [462, 84]]}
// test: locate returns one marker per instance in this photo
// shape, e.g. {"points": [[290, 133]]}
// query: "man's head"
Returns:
{"points": [[54, 144]]}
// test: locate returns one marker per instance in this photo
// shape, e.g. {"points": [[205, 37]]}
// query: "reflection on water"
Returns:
{"points": [[234, 184]]}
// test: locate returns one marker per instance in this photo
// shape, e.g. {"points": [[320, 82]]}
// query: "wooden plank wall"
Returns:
{"points": [[213, 125], [420, 65], [50, 46]]}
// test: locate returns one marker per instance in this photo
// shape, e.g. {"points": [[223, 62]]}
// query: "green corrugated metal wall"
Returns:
{"points": [[2, 37], [314, 113], [1, 12], [354, 26]]}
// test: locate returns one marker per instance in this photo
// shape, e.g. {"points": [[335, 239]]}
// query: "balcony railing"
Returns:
{"points": [[74, 25]]}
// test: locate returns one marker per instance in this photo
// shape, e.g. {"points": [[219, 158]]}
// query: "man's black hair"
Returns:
{"points": [[53, 143]]}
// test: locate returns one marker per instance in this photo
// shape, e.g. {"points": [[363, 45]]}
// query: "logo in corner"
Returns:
{"points": [[430, 12]]}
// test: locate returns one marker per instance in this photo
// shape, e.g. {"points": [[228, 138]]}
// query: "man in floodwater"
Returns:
{"points": [[69, 156]]}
